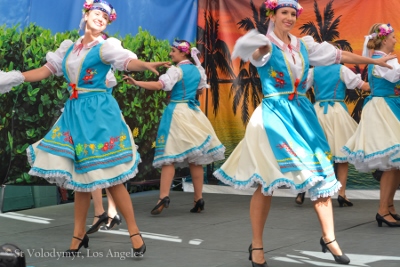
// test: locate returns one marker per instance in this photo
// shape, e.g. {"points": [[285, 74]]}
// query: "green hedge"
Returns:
{"points": [[29, 110]]}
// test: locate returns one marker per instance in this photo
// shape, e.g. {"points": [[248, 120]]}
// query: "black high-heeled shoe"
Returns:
{"points": [[344, 202], [115, 221], [164, 203], [73, 252], [103, 218], [341, 259], [198, 206], [139, 252], [394, 215], [381, 219], [300, 198], [254, 264]]}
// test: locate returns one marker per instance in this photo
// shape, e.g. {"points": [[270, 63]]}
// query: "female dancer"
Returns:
{"points": [[90, 146], [284, 143], [330, 84], [185, 135], [375, 144]]}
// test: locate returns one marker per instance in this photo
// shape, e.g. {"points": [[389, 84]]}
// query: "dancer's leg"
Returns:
{"points": [[197, 173], [259, 209], [342, 171], [167, 175], [323, 208], [124, 204], [395, 187], [111, 208], [388, 184], [81, 207], [97, 199]]}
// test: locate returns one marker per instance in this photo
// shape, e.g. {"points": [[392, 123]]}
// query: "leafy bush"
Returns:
{"points": [[29, 110]]}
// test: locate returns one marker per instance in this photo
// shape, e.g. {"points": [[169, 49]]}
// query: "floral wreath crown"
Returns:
{"points": [[272, 5], [100, 5], [383, 31], [182, 46]]}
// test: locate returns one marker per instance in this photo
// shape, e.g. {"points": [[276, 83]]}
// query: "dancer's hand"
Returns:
{"points": [[152, 66], [129, 80], [264, 49], [382, 61], [200, 91]]}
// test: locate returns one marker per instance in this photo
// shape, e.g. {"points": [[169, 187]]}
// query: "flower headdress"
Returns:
{"points": [[182, 46], [272, 5], [382, 32], [100, 5]]}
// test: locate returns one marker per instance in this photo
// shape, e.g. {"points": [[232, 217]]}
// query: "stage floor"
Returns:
{"points": [[219, 236]]}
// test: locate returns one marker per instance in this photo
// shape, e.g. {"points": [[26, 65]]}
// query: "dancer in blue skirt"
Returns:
{"points": [[90, 146], [284, 143], [185, 135]]}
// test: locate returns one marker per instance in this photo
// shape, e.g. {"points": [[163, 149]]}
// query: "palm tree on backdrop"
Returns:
{"points": [[247, 83], [217, 58], [326, 29]]}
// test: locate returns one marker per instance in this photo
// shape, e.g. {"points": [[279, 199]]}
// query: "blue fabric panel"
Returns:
{"points": [[163, 19]]}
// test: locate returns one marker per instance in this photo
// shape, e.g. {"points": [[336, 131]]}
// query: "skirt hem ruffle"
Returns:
{"points": [[268, 190], [196, 155], [363, 162], [64, 179]]}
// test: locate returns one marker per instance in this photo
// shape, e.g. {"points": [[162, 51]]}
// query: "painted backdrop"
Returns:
{"points": [[235, 89]]}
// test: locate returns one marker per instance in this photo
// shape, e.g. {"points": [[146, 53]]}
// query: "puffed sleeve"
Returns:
{"points": [[392, 75], [247, 44], [203, 79], [113, 53], [351, 79], [55, 59], [310, 78], [261, 61], [170, 78], [10, 79], [111, 81], [321, 54]]}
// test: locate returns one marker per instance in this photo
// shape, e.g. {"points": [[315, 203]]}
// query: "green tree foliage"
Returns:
{"points": [[29, 110]]}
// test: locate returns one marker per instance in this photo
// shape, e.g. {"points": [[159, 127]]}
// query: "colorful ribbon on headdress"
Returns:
{"points": [[194, 51], [365, 52]]}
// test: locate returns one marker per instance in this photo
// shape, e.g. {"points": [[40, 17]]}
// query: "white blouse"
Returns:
{"points": [[111, 52], [351, 79], [319, 54], [392, 75], [174, 75]]}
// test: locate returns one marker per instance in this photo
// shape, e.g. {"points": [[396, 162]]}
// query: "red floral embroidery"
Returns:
{"points": [[287, 148], [68, 137], [87, 79], [110, 145], [397, 89], [278, 77]]}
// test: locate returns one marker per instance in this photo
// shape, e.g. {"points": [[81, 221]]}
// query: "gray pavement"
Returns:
{"points": [[219, 236]]}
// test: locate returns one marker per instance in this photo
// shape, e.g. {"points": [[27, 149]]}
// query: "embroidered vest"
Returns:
{"points": [[380, 86], [276, 77], [92, 72], [328, 84]]}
